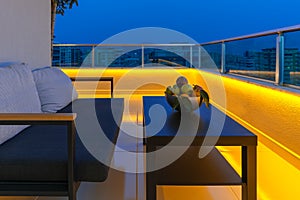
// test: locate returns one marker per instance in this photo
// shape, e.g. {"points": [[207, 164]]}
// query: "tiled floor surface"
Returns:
{"points": [[124, 183]]}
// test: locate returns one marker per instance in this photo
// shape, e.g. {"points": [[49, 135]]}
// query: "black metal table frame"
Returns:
{"points": [[249, 163], [100, 79]]}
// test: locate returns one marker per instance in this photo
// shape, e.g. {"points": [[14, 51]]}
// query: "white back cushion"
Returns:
{"points": [[18, 94], [54, 87]]}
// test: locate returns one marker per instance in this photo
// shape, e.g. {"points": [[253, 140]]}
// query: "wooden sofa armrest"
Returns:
{"points": [[67, 119], [28, 118]]}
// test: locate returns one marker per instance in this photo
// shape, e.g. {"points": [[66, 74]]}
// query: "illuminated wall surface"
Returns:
{"points": [[270, 112]]}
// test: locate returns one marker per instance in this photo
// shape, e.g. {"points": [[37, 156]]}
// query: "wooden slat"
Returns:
{"points": [[37, 116]]}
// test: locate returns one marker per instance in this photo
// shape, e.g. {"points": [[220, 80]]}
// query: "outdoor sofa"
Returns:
{"points": [[42, 151]]}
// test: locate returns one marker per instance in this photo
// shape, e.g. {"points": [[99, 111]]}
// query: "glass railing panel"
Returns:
{"points": [[126, 56], [254, 57], [292, 58], [210, 56], [71, 56], [169, 56], [117, 56], [196, 50]]}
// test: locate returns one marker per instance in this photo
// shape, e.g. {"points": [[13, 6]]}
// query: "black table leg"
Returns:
{"points": [[150, 176], [249, 173]]}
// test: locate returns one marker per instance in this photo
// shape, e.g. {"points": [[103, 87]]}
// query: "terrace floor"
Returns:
{"points": [[122, 185]]}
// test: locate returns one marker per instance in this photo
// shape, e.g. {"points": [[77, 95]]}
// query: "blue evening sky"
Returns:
{"points": [[93, 21]]}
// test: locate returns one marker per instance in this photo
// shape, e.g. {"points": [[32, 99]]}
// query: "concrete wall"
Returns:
{"points": [[272, 112], [25, 31]]}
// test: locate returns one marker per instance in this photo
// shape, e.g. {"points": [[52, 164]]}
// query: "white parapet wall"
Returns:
{"points": [[25, 31]]}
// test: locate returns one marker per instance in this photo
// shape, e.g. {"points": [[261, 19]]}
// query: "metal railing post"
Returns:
{"points": [[223, 58], [93, 56], [199, 57], [143, 56], [279, 73], [191, 56]]}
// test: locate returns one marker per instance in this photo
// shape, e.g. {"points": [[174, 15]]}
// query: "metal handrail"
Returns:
{"points": [[125, 45], [260, 34]]}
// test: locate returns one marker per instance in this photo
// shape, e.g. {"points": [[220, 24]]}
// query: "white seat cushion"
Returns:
{"points": [[18, 94]]}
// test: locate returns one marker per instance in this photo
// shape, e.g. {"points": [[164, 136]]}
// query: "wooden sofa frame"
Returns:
{"points": [[51, 188]]}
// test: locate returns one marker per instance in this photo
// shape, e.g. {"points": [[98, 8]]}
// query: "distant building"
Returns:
{"points": [[292, 59], [264, 60], [67, 56]]}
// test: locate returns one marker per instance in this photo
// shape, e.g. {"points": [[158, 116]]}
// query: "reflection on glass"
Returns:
{"points": [[175, 56], [71, 56], [255, 57], [125, 56], [292, 58], [118, 56], [211, 53]]}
